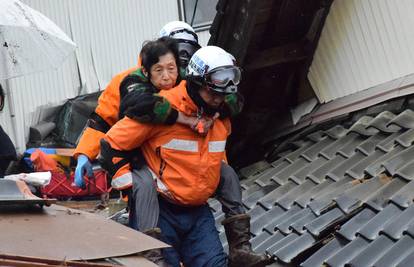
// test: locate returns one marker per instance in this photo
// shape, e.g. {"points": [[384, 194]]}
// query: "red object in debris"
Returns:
{"points": [[63, 186]]}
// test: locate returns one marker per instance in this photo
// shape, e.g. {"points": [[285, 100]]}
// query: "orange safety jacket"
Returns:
{"points": [[185, 165], [107, 113]]}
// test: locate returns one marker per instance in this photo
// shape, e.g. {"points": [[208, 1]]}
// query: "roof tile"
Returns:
{"points": [[372, 252], [319, 257], [351, 250]]}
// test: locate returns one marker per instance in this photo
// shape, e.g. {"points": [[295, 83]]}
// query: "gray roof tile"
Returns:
{"points": [[400, 224], [312, 152], [347, 253], [318, 175], [285, 226], [265, 177], [388, 143], [281, 243], [282, 177], [274, 239], [291, 157], [371, 230], [358, 171], [407, 171], [403, 248], [251, 199], [272, 224], [300, 176], [404, 197], [407, 261], [259, 222], [410, 231], [406, 139], [306, 198], [319, 257], [336, 132], [381, 197], [405, 119], [326, 196], [257, 211], [338, 172], [358, 194], [320, 223], [360, 127], [259, 239], [295, 247], [299, 225], [368, 146], [351, 227], [399, 160], [288, 199], [316, 136], [377, 167], [269, 200], [254, 169], [349, 149], [380, 122], [372, 252], [330, 151]]}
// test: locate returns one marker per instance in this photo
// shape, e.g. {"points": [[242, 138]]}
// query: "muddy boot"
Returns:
{"points": [[240, 250], [155, 255]]}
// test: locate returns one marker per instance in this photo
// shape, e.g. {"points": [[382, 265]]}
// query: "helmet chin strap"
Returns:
{"points": [[192, 91]]}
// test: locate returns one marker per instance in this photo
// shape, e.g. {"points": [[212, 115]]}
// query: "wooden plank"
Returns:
{"points": [[278, 55], [20, 261]]}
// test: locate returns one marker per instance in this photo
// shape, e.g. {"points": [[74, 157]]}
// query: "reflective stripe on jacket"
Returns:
{"points": [[186, 165]]}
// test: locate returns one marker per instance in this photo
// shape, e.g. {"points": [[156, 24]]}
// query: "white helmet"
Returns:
{"points": [[179, 30], [187, 39], [214, 67]]}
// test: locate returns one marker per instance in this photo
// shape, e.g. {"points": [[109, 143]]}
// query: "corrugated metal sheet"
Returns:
{"points": [[363, 44], [109, 34]]}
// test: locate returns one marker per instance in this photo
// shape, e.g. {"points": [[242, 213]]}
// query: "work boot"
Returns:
{"points": [[155, 255], [237, 229]]}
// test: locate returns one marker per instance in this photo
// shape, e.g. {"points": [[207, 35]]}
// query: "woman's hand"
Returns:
{"points": [[200, 125]]}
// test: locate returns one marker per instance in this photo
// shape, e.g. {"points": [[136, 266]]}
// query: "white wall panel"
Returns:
{"points": [[364, 43], [109, 35], [203, 37]]}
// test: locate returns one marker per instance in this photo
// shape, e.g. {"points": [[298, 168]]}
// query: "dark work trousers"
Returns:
{"points": [[143, 202], [192, 234], [229, 192], [7, 152]]}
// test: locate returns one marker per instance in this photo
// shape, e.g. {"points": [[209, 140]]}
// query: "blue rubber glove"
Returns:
{"points": [[84, 166]]}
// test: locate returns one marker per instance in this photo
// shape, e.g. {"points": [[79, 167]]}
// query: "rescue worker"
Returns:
{"points": [[229, 193], [143, 205], [107, 112], [186, 167]]}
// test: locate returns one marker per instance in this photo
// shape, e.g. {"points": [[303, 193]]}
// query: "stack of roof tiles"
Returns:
{"points": [[343, 196]]}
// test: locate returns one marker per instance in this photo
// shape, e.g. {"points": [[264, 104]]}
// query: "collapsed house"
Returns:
{"points": [[326, 138]]}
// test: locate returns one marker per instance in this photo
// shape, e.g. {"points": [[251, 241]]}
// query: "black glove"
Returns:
{"points": [[146, 107]]}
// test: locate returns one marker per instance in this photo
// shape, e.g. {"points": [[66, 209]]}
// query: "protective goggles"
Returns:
{"points": [[186, 49], [223, 77]]}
